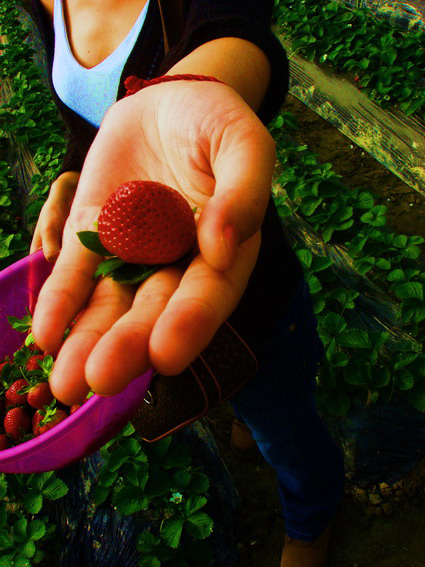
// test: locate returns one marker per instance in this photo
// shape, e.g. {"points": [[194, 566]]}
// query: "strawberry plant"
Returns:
{"points": [[340, 237], [28, 121], [159, 481], [385, 62]]}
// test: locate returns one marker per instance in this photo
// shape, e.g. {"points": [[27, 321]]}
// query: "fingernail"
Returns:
{"points": [[231, 241]]}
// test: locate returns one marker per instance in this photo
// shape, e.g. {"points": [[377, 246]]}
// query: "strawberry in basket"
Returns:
{"points": [[27, 405]]}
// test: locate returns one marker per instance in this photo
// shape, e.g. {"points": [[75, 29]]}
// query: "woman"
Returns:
{"points": [[207, 140]]}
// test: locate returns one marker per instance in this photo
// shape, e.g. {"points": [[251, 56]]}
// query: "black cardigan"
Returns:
{"points": [[277, 271]]}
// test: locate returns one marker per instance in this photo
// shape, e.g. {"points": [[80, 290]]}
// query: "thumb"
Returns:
{"points": [[243, 170]]}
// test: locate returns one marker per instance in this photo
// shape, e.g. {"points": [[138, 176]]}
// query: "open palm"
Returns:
{"points": [[204, 141]]}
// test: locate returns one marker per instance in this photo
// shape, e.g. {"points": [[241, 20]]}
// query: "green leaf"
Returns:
{"points": [[354, 338], [381, 377], [318, 304], [405, 380], [199, 525], [320, 263], [331, 325], [158, 484], [314, 284], [171, 531], [36, 530], [3, 515], [389, 55], [413, 309], [416, 396], [363, 265], [305, 257], [404, 360], [309, 205], [6, 540], [20, 325], [100, 494], [383, 264], [131, 499], [181, 479], [396, 275], [400, 241], [410, 290], [193, 504], [133, 273], [54, 489], [117, 458], [355, 375], [337, 358], [147, 542], [364, 201], [90, 239], [375, 216], [345, 296], [21, 562], [20, 530], [3, 486], [32, 501], [149, 561], [108, 266], [28, 549], [199, 483]]}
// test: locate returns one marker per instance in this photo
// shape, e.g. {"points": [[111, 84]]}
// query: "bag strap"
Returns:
{"points": [[172, 21]]}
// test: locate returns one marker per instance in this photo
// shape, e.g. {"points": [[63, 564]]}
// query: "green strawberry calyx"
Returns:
{"points": [[114, 267]]}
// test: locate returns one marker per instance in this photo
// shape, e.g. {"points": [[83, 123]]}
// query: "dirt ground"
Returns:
{"points": [[359, 540]]}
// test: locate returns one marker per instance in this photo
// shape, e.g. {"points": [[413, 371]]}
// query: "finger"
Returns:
{"points": [[203, 301], [109, 302], [65, 292], [122, 353], [36, 240], [243, 167], [52, 237]]}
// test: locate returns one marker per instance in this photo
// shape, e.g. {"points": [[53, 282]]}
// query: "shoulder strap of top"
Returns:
{"points": [[172, 21]]}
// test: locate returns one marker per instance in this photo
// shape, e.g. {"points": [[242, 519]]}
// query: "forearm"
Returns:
{"points": [[237, 62]]}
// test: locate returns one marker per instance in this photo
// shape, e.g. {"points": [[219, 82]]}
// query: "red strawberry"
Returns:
{"points": [[32, 363], [17, 423], [58, 416], [12, 396], [36, 418], [40, 395], [144, 222], [4, 442], [74, 408]]}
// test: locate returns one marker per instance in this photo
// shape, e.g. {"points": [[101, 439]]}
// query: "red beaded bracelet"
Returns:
{"points": [[134, 84]]}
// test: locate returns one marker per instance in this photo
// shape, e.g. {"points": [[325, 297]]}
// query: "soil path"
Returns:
{"points": [[397, 540]]}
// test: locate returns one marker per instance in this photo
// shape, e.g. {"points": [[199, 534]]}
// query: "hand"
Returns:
{"points": [[203, 140], [55, 211]]}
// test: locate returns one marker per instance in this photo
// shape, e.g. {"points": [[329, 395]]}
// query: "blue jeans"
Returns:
{"points": [[279, 407]]}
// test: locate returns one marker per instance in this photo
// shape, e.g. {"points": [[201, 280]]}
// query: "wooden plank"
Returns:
{"points": [[397, 141]]}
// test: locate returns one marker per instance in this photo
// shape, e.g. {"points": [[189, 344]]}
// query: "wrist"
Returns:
{"points": [[134, 84]]}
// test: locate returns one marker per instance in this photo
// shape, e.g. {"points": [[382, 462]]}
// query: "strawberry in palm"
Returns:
{"points": [[144, 222], [144, 225]]}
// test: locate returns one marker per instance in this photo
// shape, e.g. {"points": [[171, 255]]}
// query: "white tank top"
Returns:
{"points": [[89, 92]]}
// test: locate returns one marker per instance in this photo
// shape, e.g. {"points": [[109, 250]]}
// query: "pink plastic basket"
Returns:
{"points": [[86, 430]]}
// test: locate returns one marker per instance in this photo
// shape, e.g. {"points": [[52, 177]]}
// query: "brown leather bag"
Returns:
{"points": [[173, 402]]}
